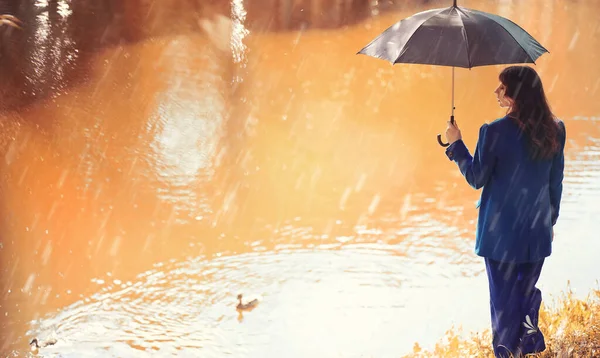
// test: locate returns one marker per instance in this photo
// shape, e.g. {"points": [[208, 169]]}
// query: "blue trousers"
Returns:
{"points": [[514, 305]]}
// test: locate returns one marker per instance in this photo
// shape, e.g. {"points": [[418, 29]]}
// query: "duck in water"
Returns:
{"points": [[35, 344], [248, 305]]}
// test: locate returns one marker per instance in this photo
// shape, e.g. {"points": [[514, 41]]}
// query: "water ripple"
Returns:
{"points": [[187, 308]]}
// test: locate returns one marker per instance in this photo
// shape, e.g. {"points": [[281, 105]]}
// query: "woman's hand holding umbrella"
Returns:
{"points": [[452, 132]]}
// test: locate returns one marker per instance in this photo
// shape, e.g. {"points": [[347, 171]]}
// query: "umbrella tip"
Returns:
{"points": [[454, 3]]}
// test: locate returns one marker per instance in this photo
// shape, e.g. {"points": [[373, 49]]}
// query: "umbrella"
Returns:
{"points": [[456, 37]]}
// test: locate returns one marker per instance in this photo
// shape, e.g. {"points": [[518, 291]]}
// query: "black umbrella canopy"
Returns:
{"points": [[457, 37]]}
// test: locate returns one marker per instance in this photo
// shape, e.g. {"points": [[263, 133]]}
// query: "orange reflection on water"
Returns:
{"points": [[290, 167]]}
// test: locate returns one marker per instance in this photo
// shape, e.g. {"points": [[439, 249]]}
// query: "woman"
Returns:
{"points": [[519, 163]]}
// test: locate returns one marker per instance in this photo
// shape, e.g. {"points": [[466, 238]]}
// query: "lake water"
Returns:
{"points": [[152, 180]]}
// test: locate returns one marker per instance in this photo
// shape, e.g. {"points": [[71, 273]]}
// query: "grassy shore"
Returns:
{"points": [[571, 328]]}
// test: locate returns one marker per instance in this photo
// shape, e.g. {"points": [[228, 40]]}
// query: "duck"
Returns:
{"points": [[242, 306], [35, 344], [10, 21]]}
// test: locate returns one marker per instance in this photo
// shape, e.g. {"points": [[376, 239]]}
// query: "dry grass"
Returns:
{"points": [[571, 329]]}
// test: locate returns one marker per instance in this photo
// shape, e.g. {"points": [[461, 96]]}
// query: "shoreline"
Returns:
{"points": [[570, 326]]}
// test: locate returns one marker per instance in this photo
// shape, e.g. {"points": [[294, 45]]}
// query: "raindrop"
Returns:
{"points": [[63, 177], [28, 283], [115, 246], [405, 207], [345, 198], [46, 253], [573, 40], [361, 182]]}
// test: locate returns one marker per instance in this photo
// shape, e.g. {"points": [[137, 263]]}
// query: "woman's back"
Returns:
{"points": [[517, 209]]}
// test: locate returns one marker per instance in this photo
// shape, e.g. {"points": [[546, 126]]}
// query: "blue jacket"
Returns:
{"points": [[520, 200]]}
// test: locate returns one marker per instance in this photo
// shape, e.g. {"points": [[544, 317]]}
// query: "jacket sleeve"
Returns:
{"points": [[476, 169], [557, 175]]}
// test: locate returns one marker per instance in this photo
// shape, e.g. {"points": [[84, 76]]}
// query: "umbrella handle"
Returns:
{"points": [[439, 136]]}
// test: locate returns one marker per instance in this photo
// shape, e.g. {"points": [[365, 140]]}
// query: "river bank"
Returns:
{"points": [[570, 325]]}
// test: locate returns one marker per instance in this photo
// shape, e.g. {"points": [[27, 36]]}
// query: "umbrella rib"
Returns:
{"points": [[466, 38], [511, 35]]}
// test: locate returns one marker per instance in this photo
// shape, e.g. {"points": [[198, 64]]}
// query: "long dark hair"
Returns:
{"points": [[531, 111]]}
